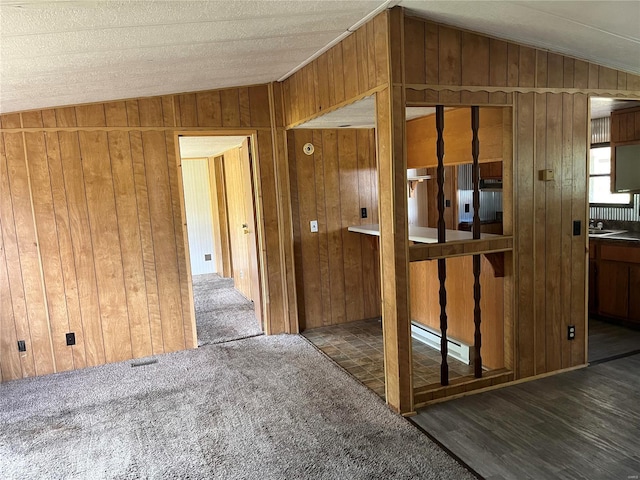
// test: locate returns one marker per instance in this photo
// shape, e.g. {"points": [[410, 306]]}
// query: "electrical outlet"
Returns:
{"points": [[447, 203], [571, 332], [313, 224], [466, 208], [363, 212], [71, 339], [22, 347]]}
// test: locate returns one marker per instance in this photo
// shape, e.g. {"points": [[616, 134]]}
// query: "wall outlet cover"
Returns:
{"points": [[313, 225]]}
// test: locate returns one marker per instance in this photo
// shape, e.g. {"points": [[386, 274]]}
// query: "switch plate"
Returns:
{"points": [[466, 208], [22, 347], [363, 212], [314, 226], [447, 203], [577, 228], [71, 339], [207, 257]]}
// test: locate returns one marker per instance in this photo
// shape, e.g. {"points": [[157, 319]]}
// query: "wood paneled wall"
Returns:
{"points": [[549, 94], [337, 271], [92, 230], [353, 68], [441, 56]]}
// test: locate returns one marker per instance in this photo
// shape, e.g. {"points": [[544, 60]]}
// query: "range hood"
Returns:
{"points": [[490, 185]]}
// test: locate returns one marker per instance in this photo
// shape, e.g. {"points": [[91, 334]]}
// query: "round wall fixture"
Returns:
{"points": [[308, 149]]}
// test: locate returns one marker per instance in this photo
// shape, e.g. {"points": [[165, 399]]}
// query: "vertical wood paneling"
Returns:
{"points": [[209, 109], [100, 251], [163, 234], [105, 238], [349, 196], [184, 272], [553, 234], [567, 215], [267, 179], [580, 139], [358, 64], [49, 249], [30, 269], [336, 269], [13, 289], [146, 240], [130, 243], [539, 217], [82, 246], [524, 211]]}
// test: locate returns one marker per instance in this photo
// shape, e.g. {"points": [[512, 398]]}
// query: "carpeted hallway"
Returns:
{"points": [[222, 313], [256, 408]]}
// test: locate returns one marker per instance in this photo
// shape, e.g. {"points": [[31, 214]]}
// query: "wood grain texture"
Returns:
{"points": [[358, 64], [425, 309], [99, 250], [336, 269]]}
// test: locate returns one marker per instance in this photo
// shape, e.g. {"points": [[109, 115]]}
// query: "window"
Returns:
{"points": [[600, 179]]}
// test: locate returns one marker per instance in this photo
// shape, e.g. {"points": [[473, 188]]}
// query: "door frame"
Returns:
{"points": [[258, 211]]}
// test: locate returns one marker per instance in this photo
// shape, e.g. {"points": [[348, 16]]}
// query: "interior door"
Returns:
{"points": [[249, 231], [242, 232]]}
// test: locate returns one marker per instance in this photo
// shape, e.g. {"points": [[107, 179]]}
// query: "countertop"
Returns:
{"points": [[421, 234], [619, 237]]}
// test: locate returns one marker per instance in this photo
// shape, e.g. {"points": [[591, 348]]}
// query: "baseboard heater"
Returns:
{"points": [[432, 338]]}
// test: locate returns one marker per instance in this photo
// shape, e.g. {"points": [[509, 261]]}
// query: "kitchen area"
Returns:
{"points": [[614, 230], [338, 257]]}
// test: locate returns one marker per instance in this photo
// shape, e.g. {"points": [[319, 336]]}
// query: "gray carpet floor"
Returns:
{"points": [[222, 313], [259, 408]]}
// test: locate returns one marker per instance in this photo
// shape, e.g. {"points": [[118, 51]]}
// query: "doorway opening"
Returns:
{"points": [[221, 236], [614, 229]]}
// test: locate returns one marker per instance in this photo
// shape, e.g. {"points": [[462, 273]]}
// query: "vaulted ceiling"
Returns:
{"points": [[56, 53]]}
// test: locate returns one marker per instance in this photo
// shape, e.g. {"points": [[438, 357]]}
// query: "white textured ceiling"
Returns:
{"points": [[200, 147], [56, 53]]}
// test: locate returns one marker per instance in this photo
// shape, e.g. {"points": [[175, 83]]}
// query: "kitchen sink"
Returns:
{"points": [[597, 232]]}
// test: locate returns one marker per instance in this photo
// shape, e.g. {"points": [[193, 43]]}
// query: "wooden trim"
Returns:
{"points": [[185, 239], [434, 251], [191, 131], [495, 386], [337, 106], [460, 386], [596, 92]]}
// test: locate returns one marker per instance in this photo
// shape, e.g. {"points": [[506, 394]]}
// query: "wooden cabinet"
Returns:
{"points": [[634, 293], [613, 289], [614, 280], [491, 170]]}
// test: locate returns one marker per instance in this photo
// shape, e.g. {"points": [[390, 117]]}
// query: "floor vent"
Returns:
{"points": [[430, 337]]}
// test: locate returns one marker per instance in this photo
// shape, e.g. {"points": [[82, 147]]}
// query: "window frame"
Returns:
{"points": [[599, 204]]}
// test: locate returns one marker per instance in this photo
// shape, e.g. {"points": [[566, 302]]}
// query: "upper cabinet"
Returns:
{"points": [[625, 150], [495, 136]]}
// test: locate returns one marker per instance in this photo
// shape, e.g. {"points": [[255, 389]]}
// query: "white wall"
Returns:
{"points": [[197, 202]]}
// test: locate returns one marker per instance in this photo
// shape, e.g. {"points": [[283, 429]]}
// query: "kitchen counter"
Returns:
{"points": [[617, 236], [421, 234]]}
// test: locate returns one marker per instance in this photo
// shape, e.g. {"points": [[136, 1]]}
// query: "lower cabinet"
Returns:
{"points": [[614, 281], [613, 289], [634, 293]]}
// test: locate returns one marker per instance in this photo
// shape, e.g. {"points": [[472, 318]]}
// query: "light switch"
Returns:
{"points": [[314, 226]]}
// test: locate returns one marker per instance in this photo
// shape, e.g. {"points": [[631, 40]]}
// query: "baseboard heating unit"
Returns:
{"points": [[432, 338]]}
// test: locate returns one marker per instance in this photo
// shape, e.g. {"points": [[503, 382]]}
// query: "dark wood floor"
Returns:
{"points": [[607, 340], [583, 424]]}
